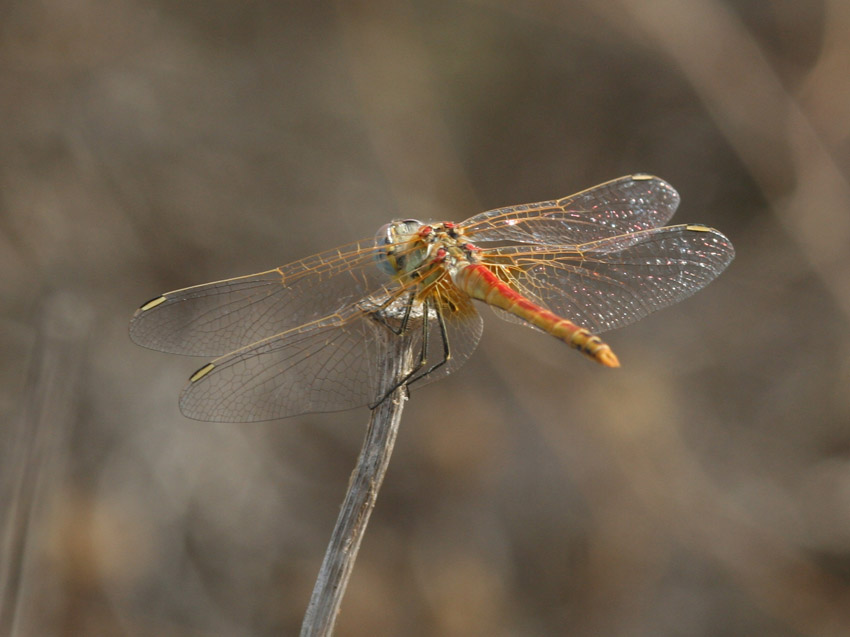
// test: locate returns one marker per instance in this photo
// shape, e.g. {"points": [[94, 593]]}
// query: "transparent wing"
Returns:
{"points": [[463, 326], [624, 205], [216, 318], [330, 365], [220, 317], [612, 282]]}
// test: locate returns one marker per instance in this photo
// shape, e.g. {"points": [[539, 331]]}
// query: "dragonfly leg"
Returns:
{"points": [[378, 315], [447, 352], [423, 350]]}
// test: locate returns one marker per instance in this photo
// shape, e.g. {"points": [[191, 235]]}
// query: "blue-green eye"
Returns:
{"points": [[388, 237]]}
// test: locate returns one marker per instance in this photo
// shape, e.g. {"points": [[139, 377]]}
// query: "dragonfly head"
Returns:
{"points": [[394, 238]]}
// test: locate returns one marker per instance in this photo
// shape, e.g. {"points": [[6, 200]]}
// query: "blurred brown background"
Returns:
{"points": [[703, 489]]}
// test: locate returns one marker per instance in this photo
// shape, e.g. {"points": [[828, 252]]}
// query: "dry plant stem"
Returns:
{"points": [[359, 501]]}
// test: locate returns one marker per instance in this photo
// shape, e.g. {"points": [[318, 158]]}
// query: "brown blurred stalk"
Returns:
{"points": [[32, 461], [360, 498]]}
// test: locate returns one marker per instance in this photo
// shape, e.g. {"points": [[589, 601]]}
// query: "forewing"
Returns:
{"points": [[612, 282], [624, 205], [220, 317], [329, 365]]}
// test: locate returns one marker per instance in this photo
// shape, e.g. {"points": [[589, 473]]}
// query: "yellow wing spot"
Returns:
{"points": [[643, 177], [698, 228], [198, 375], [152, 304]]}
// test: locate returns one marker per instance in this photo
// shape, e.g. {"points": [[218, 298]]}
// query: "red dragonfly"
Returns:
{"points": [[311, 336]]}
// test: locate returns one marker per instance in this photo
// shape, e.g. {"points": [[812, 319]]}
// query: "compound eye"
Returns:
{"points": [[388, 236], [411, 225], [384, 258], [396, 231], [384, 236]]}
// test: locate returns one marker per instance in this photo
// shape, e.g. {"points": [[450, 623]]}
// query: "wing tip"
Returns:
{"points": [[203, 371], [136, 331], [719, 236], [149, 305]]}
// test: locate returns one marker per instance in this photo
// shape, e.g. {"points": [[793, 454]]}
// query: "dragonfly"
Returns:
{"points": [[311, 336]]}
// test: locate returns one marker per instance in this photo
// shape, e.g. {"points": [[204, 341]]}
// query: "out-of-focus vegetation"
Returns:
{"points": [[702, 489]]}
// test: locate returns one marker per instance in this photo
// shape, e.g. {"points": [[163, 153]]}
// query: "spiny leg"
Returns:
{"points": [[447, 352], [423, 351], [378, 316]]}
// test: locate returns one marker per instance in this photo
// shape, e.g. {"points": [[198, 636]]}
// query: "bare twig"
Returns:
{"points": [[359, 500]]}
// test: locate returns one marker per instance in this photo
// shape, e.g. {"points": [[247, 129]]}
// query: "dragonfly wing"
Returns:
{"points": [[612, 282], [220, 317], [329, 365], [463, 326], [624, 205]]}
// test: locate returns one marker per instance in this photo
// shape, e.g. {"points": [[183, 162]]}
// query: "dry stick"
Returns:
{"points": [[360, 498]]}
